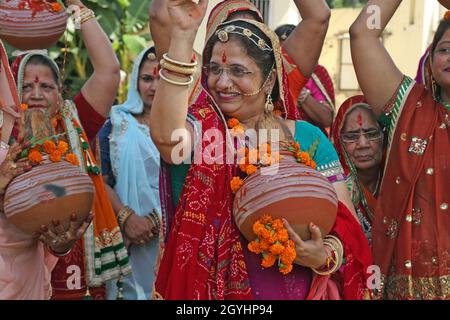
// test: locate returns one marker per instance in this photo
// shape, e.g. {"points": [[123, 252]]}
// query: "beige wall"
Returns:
{"points": [[406, 36]]}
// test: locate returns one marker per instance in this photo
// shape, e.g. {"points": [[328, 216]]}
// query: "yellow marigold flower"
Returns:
{"points": [[49, 146], [72, 158]]}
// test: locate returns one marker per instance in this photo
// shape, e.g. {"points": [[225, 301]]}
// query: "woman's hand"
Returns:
{"points": [[310, 253], [74, 2], [186, 15], [11, 168], [139, 230], [60, 240]]}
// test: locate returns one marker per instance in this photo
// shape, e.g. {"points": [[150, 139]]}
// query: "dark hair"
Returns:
{"points": [[284, 31], [39, 60], [145, 57], [444, 25], [264, 59], [235, 15]]}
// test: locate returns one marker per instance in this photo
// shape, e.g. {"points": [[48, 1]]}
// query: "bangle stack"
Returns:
{"points": [[154, 219], [85, 15], [56, 254], [335, 251], [304, 94], [123, 216], [181, 70]]}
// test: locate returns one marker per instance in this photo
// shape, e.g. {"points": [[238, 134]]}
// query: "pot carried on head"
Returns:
{"points": [[445, 3], [293, 191], [31, 24], [49, 191]]}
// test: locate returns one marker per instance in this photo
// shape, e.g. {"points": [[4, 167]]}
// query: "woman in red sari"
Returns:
{"points": [[411, 234], [204, 257], [359, 140]]}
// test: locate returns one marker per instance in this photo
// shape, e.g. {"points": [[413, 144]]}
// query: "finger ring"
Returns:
{"points": [[13, 165]]}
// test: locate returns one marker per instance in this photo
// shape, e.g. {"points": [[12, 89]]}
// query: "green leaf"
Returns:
{"points": [[134, 43]]}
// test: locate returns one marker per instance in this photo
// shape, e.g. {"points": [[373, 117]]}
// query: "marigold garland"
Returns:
{"points": [[273, 244], [48, 146]]}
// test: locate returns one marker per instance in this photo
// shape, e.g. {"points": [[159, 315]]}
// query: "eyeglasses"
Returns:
{"points": [[234, 71], [352, 137]]}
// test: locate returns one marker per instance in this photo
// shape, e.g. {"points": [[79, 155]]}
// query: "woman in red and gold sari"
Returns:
{"points": [[411, 234], [204, 256], [359, 142]]}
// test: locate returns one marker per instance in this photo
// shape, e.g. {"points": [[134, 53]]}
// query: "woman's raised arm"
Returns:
{"points": [[377, 73]]}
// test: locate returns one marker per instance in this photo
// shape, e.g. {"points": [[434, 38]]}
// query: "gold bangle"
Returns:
{"points": [[188, 71], [86, 15], [123, 215], [179, 63], [336, 248], [174, 82]]}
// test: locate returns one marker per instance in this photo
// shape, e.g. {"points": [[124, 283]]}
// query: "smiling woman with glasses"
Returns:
{"points": [[359, 140]]}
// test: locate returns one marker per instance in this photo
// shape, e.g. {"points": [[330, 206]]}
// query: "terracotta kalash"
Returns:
{"points": [[293, 191], [56, 187], [31, 24]]}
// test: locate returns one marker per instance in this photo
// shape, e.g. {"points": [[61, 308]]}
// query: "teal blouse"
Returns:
{"points": [[306, 135]]}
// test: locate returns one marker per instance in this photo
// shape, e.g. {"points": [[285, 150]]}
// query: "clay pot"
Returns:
{"points": [[295, 192], [20, 29], [445, 3], [49, 191]]}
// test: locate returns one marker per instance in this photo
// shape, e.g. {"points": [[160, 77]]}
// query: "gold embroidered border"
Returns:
{"points": [[409, 288]]}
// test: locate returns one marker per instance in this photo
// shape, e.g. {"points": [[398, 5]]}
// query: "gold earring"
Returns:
{"points": [[269, 104]]}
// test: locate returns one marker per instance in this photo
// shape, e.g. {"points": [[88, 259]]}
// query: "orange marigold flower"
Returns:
{"points": [[288, 255], [243, 167], [277, 224], [237, 130], [72, 158], [297, 146], [276, 248], [447, 16], [63, 146], [55, 156], [49, 146], [233, 122], [56, 7], [251, 169], [266, 159], [257, 228], [264, 244], [265, 219], [313, 165], [252, 156], [23, 106], [35, 156], [268, 260], [283, 235], [236, 184], [285, 269], [277, 112], [254, 247], [304, 156]]}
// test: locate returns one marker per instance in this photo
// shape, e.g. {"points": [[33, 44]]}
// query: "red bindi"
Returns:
{"points": [[224, 56], [155, 71], [360, 119], [36, 79]]}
